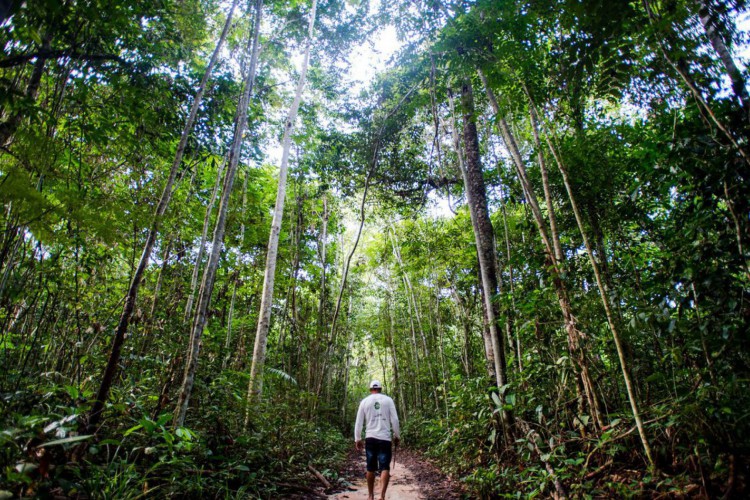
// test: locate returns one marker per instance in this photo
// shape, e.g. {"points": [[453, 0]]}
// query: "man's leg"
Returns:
{"points": [[371, 485], [385, 476], [384, 464], [371, 452]]}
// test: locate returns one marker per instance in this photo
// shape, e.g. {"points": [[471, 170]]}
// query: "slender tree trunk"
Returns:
{"points": [[348, 357], [255, 385], [132, 294], [547, 192], [476, 197], [315, 370], [444, 372], [410, 296], [148, 331], [398, 386], [11, 260], [412, 331], [202, 244], [489, 353], [605, 299], [209, 275], [501, 292], [159, 280], [466, 353], [584, 381], [322, 245]]}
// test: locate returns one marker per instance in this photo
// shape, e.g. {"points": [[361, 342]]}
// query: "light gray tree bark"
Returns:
{"points": [[255, 385], [209, 274]]}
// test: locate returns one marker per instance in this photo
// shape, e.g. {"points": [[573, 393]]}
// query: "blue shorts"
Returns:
{"points": [[378, 454]]}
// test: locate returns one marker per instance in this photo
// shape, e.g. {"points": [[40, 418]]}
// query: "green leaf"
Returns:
{"points": [[132, 430], [496, 399], [67, 440]]}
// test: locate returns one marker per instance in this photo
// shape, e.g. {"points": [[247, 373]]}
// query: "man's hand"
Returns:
{"points": [[396, 442], [359, 445]]}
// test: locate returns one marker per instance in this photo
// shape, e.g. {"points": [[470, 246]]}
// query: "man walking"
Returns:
{"points": [[378, 414]]}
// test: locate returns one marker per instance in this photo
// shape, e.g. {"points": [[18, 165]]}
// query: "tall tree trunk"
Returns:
{"points": [[209, 274], [466, 353], [322, 245], [489, 353], [501, 292], [347, 364], [476, 197], [130, 298], [410, 296], [255, 384], [202, 244], [321, 324], [148, 330], [444, 372], [547, 192]]}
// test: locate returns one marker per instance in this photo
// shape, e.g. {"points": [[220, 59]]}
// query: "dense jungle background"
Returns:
{"points": [[531, 222]]}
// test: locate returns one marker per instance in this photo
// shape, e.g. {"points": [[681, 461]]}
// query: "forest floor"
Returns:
{"points": [[413, 477]]}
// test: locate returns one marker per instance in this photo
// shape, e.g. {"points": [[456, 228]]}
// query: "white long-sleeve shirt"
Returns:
{"points": [[378, 414]]}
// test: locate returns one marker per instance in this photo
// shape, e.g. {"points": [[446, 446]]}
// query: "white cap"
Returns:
{"points": [[375, 384]]}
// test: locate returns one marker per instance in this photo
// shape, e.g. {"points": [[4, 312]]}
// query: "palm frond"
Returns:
{"points": [[281, 374]]}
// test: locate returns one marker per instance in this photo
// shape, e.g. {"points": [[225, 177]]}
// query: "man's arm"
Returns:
{"points": [[359, 423], [394, 422]]}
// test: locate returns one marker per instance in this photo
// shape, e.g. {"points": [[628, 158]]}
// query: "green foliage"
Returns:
{"points": [[151, 458], [93, 97]]}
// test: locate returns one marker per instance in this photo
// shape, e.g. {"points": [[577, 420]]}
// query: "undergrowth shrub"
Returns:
{"points": [[147, 457], [468, 443]]}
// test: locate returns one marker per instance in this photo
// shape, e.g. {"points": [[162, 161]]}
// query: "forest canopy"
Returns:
{"points": [[532, 224]]}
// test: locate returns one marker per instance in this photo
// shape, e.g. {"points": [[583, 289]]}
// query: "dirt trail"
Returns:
{"points": [[412, 478], [403, 486]]}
